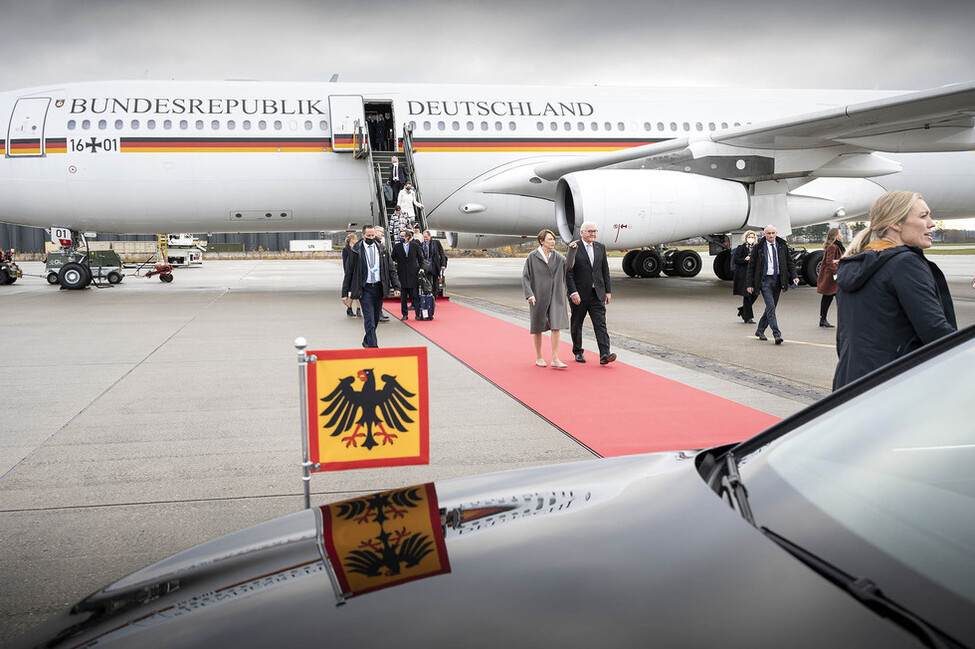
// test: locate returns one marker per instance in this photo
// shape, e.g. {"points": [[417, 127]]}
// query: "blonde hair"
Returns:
{"points": [[744, 236], [350, 239], [831, 237], [889, 209], [543, 234]]}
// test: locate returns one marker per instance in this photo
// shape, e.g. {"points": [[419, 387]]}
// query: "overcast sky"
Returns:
{"points": [[885, 44]]}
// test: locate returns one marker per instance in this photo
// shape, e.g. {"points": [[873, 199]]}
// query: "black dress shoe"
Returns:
{"points": [[348, 312], [383, 318], [760, 335], [406, 317], [607, 359], [580, 357], [750, 321], [823, 322], [778, 341]]}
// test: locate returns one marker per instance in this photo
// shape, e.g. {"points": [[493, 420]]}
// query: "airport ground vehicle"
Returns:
{"points": [[849, 524], [9, 271], [104, 264]]}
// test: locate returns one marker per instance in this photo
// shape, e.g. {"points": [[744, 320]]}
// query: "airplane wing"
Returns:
{"points": [[941, 119]]}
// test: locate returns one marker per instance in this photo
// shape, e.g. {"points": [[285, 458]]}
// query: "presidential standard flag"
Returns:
{"points": [[368, 408], [385, 539]]}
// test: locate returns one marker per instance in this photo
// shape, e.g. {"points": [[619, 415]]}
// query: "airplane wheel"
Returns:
{"points": [[74, 276], [722, 266], [628, 261], [166, 277], [688, 263], [114, 277], [648, 264], [810, 267], [52, 278]]}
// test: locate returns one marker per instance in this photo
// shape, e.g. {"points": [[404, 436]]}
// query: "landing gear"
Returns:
{"points": [[673, 263], [722, 266], [648, 264], [629, 261], [808, 265], [688, 263], [74, 276]]}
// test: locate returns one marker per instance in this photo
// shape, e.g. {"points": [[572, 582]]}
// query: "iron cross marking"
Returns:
{"points": [[93, 145]]}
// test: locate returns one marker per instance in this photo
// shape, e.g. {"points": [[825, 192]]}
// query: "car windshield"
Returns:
{"points": [[883, 485]]}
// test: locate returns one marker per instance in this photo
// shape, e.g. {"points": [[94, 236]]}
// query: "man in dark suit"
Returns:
{"points": [[433, 251], [770, 270], [587, 281], [368, 279], [398, 176], [407, 256]]}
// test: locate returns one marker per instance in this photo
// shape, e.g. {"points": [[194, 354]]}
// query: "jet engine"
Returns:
{"points": [[634, 208]]}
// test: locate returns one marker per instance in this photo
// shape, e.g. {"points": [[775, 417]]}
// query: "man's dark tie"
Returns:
{"points": [[775, 260]]}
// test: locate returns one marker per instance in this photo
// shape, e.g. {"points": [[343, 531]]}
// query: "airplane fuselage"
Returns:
{"points": [[149, 157]]}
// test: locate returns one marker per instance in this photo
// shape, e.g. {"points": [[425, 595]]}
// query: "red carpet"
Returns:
{"points": [[614, 409]]}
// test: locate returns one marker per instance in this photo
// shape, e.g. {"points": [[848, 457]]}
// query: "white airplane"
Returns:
{"points": [[648, 166]]}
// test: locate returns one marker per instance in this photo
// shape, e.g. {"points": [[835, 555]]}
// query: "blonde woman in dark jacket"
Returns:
{"points": [[891, 300]]}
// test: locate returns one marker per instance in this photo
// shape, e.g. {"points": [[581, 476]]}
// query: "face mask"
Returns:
{"points": [[369, 242], [751, 240]]}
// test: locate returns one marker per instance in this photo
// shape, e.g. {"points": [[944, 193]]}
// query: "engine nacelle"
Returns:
{"points": [[468, 241], [634, 208]]}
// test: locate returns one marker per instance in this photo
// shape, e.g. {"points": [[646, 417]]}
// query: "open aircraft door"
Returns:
{"points": [[25, 135], [348, 118]]}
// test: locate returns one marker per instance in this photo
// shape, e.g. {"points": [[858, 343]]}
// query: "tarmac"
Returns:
{"points": [[141, 419]]}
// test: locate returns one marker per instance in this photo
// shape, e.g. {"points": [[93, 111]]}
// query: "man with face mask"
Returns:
{"points": [[739, 266], [368, 279]]}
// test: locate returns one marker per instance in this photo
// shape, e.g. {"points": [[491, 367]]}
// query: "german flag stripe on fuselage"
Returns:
{"points": [[319, 145], [219, 145], [528, 144]]}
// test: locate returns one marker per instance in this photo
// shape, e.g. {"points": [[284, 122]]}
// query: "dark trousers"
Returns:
{"points": [[596, 310], [397, 185], [413, 295], [824, 305], [747, 313], [770, 293], [372, 308]]}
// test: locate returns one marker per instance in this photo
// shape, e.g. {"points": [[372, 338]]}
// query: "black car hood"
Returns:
{"points": [[632, 551]]}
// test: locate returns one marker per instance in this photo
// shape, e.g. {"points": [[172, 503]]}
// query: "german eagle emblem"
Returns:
{"points": [[389, 404]]}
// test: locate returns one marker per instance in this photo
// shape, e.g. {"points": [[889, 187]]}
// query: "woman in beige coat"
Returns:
{"points": [[544, 282]]}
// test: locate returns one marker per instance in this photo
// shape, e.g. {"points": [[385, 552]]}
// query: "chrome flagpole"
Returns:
{"points": [[306, 464]]}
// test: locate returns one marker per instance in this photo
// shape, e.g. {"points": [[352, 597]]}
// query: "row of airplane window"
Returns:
{"points": [[582, 126], [199, 125], [308, 125]]}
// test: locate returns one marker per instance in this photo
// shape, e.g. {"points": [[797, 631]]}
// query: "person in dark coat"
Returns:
{"points": [[434, 252], [368, 279], [891, 300], [588, 283], [406, 254], [826, 282], [739, 266], [770, 271], [350, 241], [398, 176]]}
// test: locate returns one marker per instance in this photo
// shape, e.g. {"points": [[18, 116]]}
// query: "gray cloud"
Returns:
{"points": [[833, 43]]}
